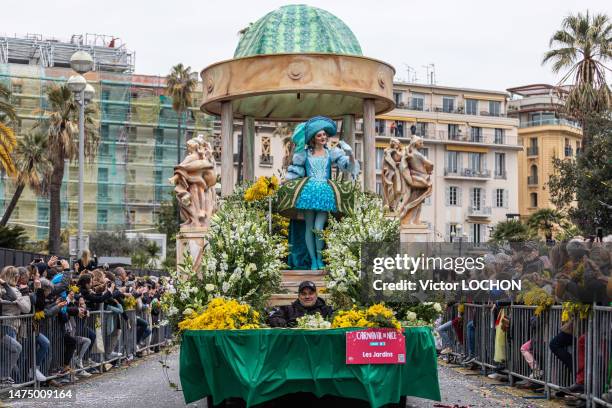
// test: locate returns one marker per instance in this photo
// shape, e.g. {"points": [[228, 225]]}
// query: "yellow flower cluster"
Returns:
{"points": [[222, 314], [375, 316], [262, 188], [74, 289], [571, 309], [536, 296], [129, 303], [39, 315]]}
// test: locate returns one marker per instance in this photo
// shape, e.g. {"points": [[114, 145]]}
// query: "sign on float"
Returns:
{"points": [[375, 346]]}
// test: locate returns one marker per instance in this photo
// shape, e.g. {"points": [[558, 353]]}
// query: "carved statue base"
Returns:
{"points": [[192, 240], [415, 233]]}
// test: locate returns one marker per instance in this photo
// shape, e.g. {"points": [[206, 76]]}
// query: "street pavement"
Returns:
{"points": [[144, 385]]}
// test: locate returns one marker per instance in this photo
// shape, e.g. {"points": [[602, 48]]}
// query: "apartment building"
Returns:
{"points": [[473, 145], [545, 133]]}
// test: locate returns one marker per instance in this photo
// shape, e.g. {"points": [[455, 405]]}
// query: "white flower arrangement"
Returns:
{"points": [[242, 261], [343, 238], [314, 321]]}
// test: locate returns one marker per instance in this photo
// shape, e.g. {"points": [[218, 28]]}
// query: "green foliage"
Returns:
{"points": [[510, 231], [545, 220], [167, 220], [583, 48], [13, 237], [140, 260], [587, 179]]}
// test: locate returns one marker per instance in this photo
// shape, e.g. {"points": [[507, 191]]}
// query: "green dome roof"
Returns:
{"points": [[298, 28]]}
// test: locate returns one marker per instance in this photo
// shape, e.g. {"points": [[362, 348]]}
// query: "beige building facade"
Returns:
{"points": [[468, 136], [545, 133]]}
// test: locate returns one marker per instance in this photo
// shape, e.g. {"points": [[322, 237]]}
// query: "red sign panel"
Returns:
{"points": [[375, 346]]}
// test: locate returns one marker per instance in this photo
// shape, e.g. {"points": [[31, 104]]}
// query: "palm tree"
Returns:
{"points": [[8, 140], [32, 166], [510, 231], [61, 124], [180, 84], [544, 220], [582, 46]]}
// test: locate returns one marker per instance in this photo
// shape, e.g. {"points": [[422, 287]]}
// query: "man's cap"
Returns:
{"points": [[307, 284]]}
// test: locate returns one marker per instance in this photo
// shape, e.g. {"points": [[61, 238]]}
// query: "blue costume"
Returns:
{"points": [[317, 195]]}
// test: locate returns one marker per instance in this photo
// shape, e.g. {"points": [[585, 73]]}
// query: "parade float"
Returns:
{"points": [[236, 257]]}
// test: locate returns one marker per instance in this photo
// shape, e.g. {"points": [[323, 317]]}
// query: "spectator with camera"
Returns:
{"points": [[12, 303]]}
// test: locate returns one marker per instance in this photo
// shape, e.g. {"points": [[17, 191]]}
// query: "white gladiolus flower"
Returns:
{"points": [[411, 316], [225, 287], [209, 287], [172, 310], [437, 307]]}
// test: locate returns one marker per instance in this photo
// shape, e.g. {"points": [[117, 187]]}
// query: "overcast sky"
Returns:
{"points": [[494, 44]]}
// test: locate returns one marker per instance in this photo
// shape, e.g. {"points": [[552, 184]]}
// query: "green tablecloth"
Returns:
{"points": [[260, 365]]}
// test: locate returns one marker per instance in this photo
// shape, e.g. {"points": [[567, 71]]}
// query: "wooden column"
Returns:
{"points": [[227, 149], [248, 148], [369, 146], [348, 130]]}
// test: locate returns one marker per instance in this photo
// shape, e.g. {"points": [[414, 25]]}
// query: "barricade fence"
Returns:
{"points": [[539, 348], [103, 337]]}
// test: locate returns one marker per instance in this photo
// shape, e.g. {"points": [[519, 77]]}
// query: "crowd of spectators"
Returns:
{"points": [[61, 300], [578, 271]]}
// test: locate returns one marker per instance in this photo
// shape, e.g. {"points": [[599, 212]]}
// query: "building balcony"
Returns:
{"points": [[418, 104], [532, 151], [550, 122], [500, 175], [480, 212], [477, 173], [467, 173], [532, 180]]}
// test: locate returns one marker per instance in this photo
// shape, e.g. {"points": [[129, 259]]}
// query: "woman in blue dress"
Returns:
{"points": [[316, 195]]}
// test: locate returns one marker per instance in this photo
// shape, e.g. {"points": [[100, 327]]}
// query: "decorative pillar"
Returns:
{"points": [[227, 149], [248, 148], [348, 130], [369, 146]]}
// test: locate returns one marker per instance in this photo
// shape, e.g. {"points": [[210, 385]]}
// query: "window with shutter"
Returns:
{"points": [[459, 196], [506, 199]]}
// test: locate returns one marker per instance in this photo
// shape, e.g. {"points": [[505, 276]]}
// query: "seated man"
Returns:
{"points": [[307, 303]]}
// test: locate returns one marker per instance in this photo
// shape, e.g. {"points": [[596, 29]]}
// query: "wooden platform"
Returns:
{"points": [[291, 282]]}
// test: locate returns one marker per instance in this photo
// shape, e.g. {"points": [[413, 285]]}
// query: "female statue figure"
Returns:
{"points": [[194, 181], [415, 170], [309, 189], [391, 179]]}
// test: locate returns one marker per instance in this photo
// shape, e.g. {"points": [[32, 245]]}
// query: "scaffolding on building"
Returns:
{"points": [[137, 150], [109, 53]]}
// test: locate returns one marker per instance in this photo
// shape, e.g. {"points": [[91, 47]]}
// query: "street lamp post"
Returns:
{"points": [[81, 62]]}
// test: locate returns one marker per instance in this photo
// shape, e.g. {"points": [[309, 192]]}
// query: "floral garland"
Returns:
{"points": [[222, 314], [367, 223]]}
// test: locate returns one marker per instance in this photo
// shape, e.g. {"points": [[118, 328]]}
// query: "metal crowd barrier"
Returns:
{"points": [[601, 356], [18, 346], [591, 339]]}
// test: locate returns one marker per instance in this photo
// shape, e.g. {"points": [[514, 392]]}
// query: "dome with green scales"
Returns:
{"points": [[298, 29]]}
